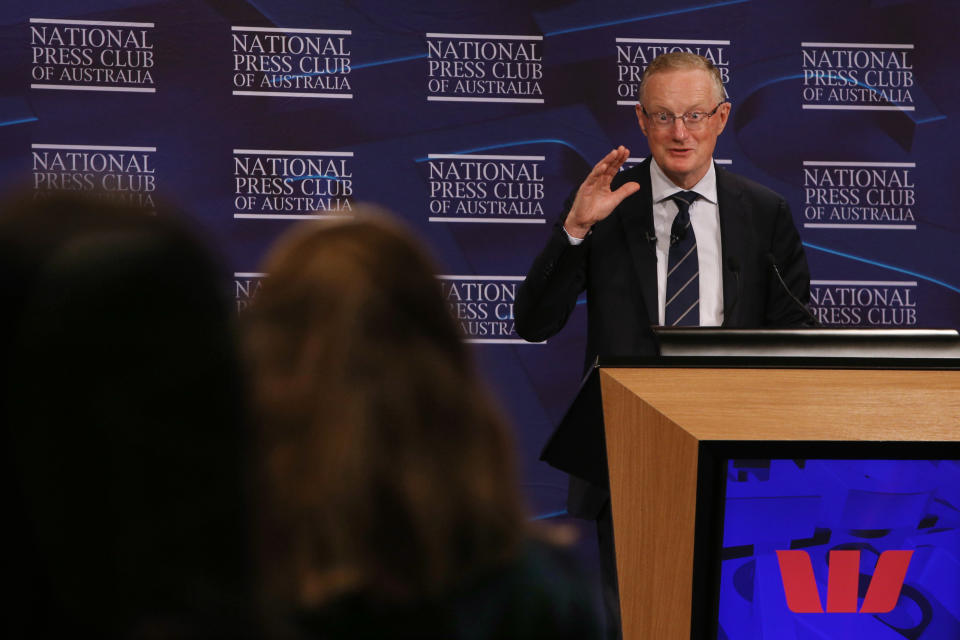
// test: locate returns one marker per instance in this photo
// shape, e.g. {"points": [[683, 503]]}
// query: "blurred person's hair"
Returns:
{"points": [[386, 466], [122, 404]]}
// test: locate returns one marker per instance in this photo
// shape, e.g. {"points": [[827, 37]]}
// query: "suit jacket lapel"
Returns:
{"points": [[636, 216], [734, 225]]}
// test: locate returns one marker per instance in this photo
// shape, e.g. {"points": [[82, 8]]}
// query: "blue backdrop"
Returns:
{"points": [[473, 120]]}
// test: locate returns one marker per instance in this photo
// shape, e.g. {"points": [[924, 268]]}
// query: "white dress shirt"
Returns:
{"points": [[705, 218]]}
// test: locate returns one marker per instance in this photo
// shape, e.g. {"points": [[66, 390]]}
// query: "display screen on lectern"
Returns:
{"points": [[851, 549]]}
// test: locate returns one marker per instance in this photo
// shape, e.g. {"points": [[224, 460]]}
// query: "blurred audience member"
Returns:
{"points": [[124, 450], [389, 492]]}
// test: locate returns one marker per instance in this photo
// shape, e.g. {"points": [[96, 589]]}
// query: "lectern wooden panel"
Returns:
{"points": [[656, 418]]}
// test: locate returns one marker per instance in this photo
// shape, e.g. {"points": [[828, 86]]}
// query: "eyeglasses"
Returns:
{"points": [[693, 120]]}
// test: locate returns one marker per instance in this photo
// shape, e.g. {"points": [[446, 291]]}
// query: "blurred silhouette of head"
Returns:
{"points": [[124, 427], [385, 467]]}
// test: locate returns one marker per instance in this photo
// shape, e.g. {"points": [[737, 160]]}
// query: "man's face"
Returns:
{"points": [[682, 154]]}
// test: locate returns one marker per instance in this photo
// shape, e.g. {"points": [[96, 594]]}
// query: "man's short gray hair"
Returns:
{"points": [[681, 60]]}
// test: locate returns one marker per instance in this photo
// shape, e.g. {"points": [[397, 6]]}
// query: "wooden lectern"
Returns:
{"points": [[658, 417]]}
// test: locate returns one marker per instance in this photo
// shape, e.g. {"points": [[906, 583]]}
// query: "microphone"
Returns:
{"points": [[776, 270], [733, 265], [650, 237]]}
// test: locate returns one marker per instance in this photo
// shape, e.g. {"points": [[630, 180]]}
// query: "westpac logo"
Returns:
{"points": [[843, 582]]}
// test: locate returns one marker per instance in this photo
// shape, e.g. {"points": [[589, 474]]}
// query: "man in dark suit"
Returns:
{"points": [[675, 240]]}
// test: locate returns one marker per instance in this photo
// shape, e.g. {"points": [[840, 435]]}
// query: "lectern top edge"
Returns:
{"points": [[776, 362]]}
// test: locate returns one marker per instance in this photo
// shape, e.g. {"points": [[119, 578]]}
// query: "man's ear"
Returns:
{"points": [[723, 113], [640, 118]]}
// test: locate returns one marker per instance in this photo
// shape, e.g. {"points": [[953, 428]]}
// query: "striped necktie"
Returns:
{"points": [[683, 267]]}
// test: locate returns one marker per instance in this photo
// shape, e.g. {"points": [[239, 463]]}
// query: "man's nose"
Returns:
{"points": [[679, 129]]}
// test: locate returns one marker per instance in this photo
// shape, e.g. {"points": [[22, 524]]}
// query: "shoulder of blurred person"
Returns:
{"points": [[539, 594]]}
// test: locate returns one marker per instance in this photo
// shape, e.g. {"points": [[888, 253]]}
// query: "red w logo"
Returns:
{"points": [[842, 582]]}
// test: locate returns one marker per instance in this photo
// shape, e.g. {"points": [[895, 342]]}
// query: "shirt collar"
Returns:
{"points": [[662, 188]]}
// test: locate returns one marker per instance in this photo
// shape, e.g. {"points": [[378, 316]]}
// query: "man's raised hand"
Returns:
{"points": [[594, 200]]}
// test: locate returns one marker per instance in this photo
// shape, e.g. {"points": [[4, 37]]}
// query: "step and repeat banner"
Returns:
{"points": [[473, 120]]}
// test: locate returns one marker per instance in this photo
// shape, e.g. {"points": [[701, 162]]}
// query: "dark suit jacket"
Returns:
{"points": [[616, 265]]}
